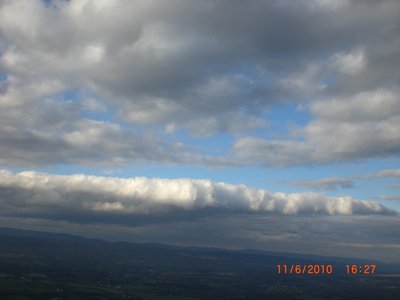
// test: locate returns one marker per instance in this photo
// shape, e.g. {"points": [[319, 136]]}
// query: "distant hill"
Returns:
{"points": [[62, 266], [51, 237]]}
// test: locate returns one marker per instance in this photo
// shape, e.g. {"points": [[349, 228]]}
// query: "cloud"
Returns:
{"points": [[390, 197], [385, 173], [80, 196], [362, 126], [350, 63], [119, 83], [325, 184], [252, 150], [369, 128], [156, 68], [86, 142], [377, 106]]}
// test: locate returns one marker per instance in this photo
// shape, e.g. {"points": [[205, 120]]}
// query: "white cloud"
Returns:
{"points": [[251, 150], [376, 105], [93, 105], [318, 5], [92, 134], [350, 63], [151, 110], [307, 81], [361, 126], [44, 193], [94, 53], [325, 184], [390, 197], [329, 4], [385, 173], [389, 173]]}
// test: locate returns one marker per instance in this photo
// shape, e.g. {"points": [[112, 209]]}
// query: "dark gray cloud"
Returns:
{"points": [[208, 67], [87, 142]]}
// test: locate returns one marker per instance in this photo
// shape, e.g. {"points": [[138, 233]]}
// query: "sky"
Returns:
{"points": [[271, 125]]}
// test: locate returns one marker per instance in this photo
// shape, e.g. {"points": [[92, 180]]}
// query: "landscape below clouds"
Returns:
{"points": [[271, 125], [199, 212]]}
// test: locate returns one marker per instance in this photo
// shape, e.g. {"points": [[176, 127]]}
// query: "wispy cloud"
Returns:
{"points": [[325, 184], [390, 197], [388, 173]]}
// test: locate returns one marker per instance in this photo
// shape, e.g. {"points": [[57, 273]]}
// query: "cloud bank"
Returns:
{"points": [[36, 194]]}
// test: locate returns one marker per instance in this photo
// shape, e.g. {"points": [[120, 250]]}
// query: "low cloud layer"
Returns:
{"points": [[39, 194], [369, 236]]}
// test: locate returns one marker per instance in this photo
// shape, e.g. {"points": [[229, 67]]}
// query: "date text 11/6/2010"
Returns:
{"points": [[324, 269]]}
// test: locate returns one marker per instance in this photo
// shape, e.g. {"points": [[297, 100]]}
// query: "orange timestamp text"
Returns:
{"points": [[324, 269], [308, 269], [363, 269]]}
